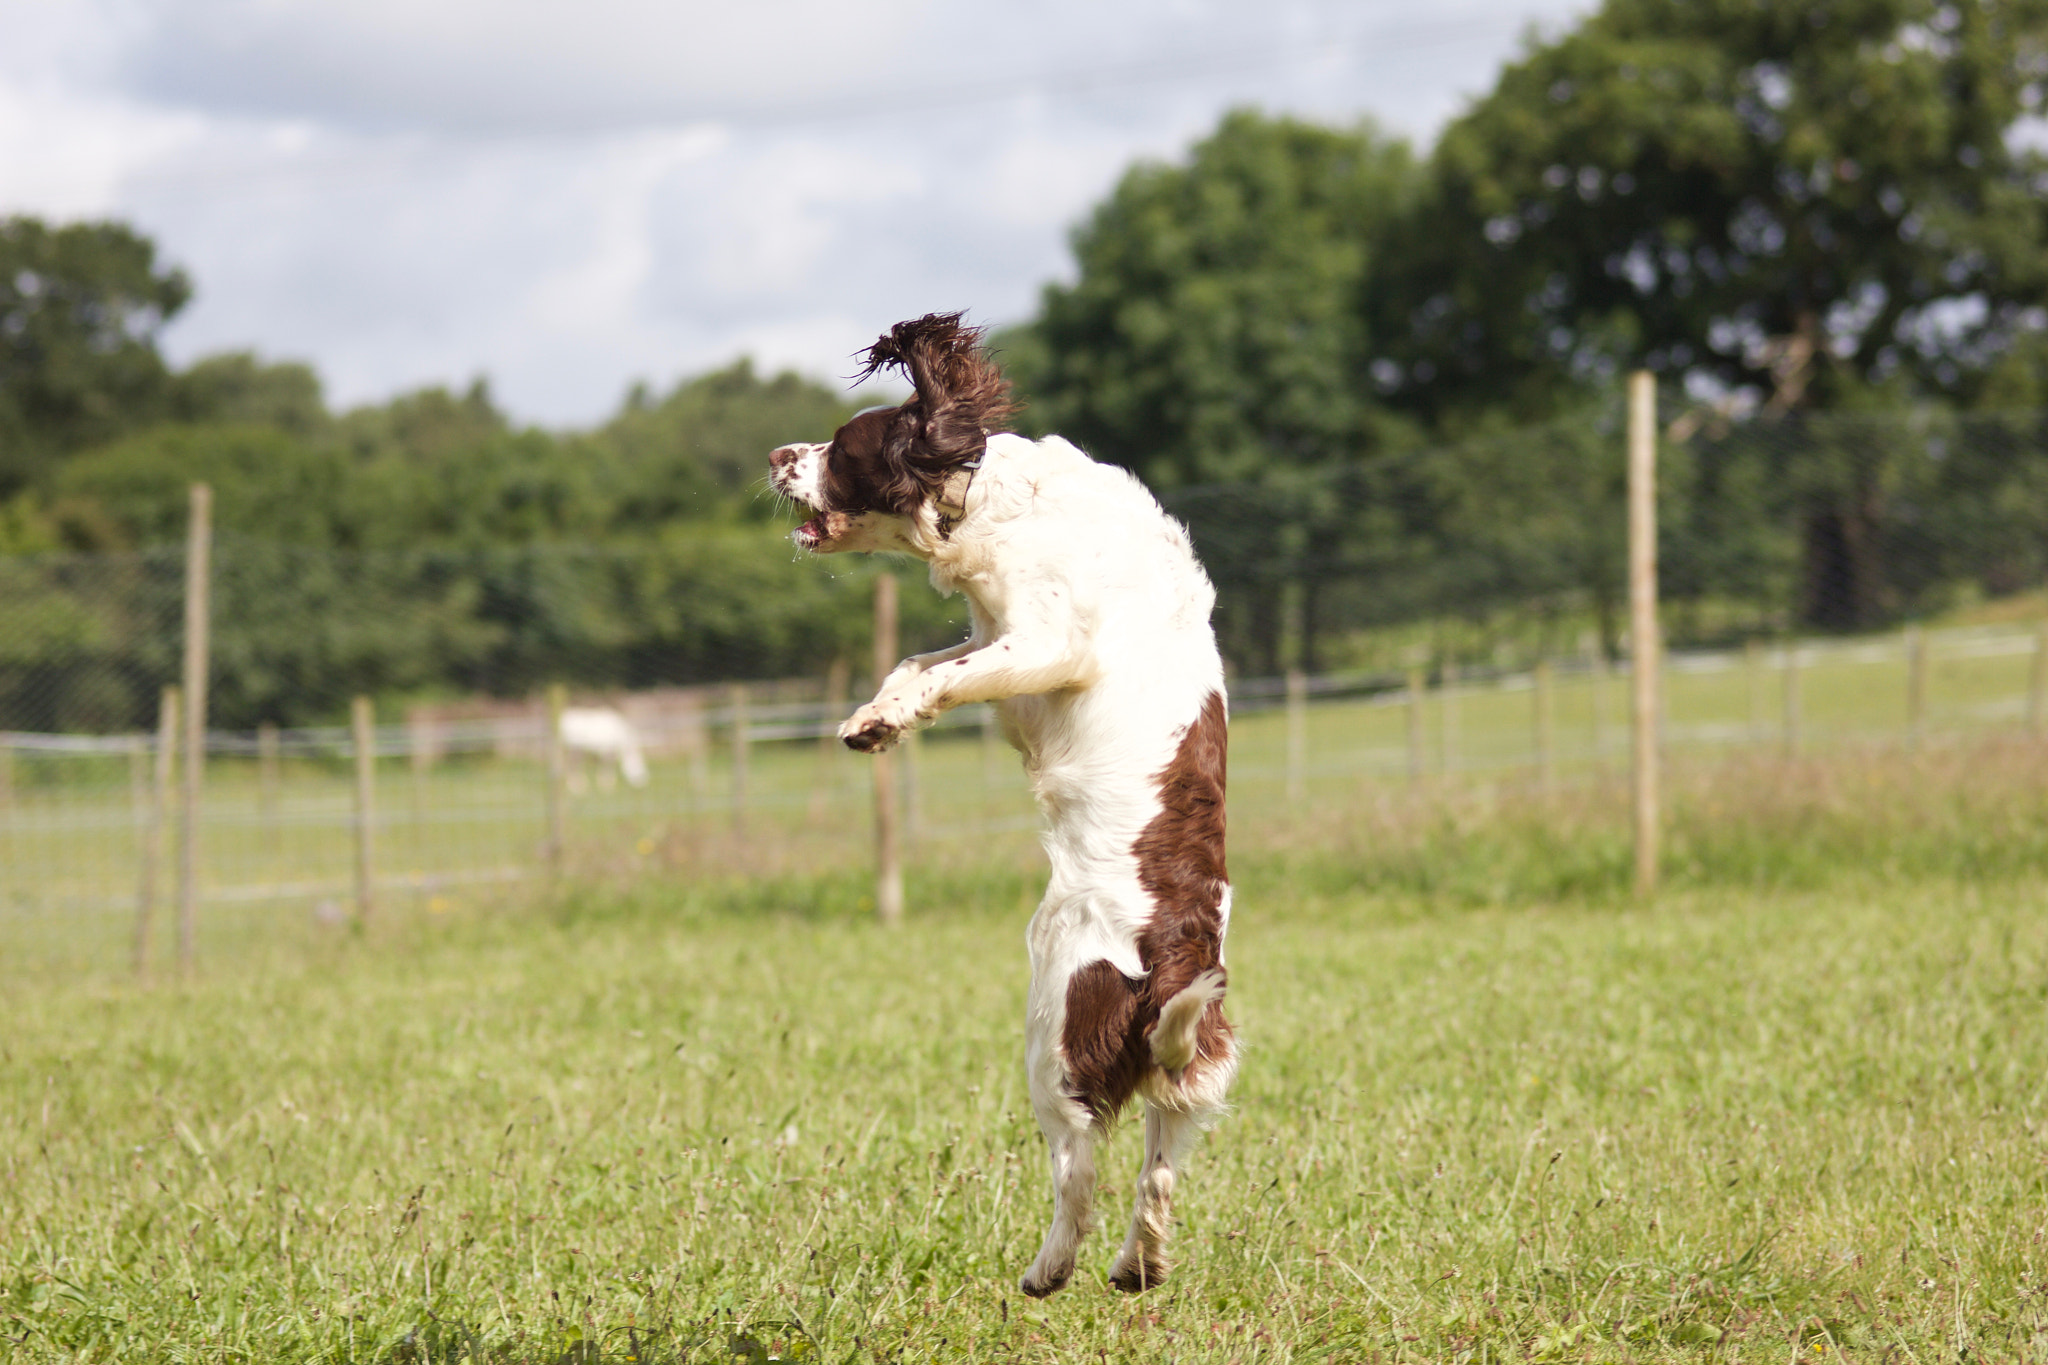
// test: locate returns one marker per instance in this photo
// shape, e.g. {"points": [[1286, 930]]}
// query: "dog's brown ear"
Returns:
{"points": [[961, 394]]}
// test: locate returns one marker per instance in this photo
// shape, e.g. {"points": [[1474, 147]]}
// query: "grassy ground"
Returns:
{"points": [[1491, 1110]]}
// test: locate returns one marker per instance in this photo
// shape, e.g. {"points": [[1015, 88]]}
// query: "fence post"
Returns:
{"points": [[159, 809], [1753, 662], [267, 781], [198, 600], [6, 771], [1791, 680], [888, 852], [1644, 645], [552, 849], [1297, 737], [828, 739], [741, 726], [1916, 685], [1415, 681], [1447, 707], [363, 728], [1544, 764], [2037, 679]]}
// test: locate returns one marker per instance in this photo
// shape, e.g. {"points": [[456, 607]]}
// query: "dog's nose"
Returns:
{"points": [[782, 456]]}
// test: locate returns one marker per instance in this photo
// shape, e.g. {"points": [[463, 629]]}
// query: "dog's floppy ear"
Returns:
{"points": [[961, 395]]}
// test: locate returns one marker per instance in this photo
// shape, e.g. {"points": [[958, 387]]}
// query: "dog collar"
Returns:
{"points": [[952, 498]]}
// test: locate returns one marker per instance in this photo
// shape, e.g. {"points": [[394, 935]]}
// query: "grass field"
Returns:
{"points": [[1491, 1109]]}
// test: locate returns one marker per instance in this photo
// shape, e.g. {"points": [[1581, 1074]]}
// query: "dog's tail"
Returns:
{"points": [[1173, 1037]]}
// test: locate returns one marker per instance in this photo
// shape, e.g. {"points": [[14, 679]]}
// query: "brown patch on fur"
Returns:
{"points": [[1108, 1016], [895, 459], [1107, 1036]]}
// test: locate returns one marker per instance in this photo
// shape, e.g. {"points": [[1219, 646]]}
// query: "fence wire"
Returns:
{"points": [[1450, 616]]}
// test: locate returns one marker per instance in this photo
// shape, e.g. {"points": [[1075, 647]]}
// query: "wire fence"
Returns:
{"points": [[550, 711], [737, 781]]}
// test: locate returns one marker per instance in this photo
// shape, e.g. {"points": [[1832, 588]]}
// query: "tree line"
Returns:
{"points": [[1377, 381]]}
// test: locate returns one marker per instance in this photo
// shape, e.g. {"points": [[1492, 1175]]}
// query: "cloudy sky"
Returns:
{"points": [[569, 197]]}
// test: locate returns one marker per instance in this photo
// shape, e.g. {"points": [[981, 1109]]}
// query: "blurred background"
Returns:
{"points": [[478, 322]]}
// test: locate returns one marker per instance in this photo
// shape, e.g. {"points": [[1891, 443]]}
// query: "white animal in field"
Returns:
{"points": [[601, 733]]}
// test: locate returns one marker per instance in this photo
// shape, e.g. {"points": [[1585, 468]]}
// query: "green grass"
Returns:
{"points": [[1803, 1116]]}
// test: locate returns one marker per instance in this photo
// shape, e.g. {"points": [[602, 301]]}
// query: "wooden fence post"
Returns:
{"points": [[198, 621], [1545, 765], [159, 814], [1297, 737], [888, 850], [363, 729], [1415, 683], [553, 849], [1753, 664], [268, 780], [742, 728], [829, 747], [1916, 685], [1447, 717], [6, 771], [1644, 639], [2037, 680], [1790, 724]]}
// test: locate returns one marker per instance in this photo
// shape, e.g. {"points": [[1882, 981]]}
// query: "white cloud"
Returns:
{"points": [[566, 197]]}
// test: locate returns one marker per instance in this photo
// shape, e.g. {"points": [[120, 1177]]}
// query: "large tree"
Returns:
{"points": [[80, 307], [1798, 204], [1212, 331], [1805, 198], [1214, 334]]}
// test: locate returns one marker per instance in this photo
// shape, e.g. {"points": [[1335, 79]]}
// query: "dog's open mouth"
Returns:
{"points": [[812, 533]]}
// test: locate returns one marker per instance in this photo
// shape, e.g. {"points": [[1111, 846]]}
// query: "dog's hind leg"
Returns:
{"points": [[1141, 1265], [1070, 1141]]}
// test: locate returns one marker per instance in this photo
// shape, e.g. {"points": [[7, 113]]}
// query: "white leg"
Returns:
{"points": [[1070, 1141], [1142, 1262]]}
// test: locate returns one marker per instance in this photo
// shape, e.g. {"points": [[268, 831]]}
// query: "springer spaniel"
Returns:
{"points": [[1091, 635]]}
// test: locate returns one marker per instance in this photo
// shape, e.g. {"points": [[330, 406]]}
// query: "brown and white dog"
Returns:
{"points": [[1091, 635]]}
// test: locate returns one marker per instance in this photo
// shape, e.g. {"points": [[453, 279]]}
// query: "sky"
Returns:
{"points": [[569, 198]]}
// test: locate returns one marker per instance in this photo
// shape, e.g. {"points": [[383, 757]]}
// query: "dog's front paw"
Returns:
{"points": [[873, 728]]}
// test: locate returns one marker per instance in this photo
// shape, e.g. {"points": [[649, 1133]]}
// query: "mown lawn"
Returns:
{"points": [[1789, 1117]]}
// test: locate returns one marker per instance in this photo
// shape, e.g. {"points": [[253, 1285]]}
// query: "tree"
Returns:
{"points": [[1794, 204], [80, 307], [1214, 333], [701, 451]]}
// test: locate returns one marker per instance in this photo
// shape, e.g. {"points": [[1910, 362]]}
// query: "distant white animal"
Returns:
{"points": [[601, 733]]}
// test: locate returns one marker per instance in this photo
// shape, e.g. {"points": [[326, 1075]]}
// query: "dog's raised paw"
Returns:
{"points": [[868, 733]]}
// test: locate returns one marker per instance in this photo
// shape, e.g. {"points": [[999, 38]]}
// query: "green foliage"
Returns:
{"points": [[1214, 332], [1807, 198], [701, 452], [80, 306]]}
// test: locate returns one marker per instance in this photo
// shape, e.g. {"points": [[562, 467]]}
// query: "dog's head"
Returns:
{"points": [[889, 468]]}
